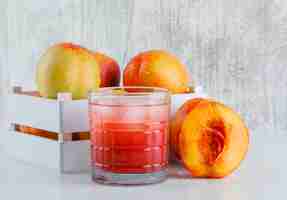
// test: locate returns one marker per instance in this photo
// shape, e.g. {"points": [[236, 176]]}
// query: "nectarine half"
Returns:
{"points": [[209, 137]]}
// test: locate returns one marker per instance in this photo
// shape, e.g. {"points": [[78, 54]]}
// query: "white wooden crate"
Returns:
{"points": [[64, 117]]}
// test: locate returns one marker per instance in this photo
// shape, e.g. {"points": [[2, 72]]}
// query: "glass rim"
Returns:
{"points": [[146, 96], [146, 90]]}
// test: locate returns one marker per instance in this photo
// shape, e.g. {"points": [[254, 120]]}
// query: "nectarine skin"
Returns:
{"points": [[213, 139], [67, 67], [110, 70], [157, 68], [176, 124]]}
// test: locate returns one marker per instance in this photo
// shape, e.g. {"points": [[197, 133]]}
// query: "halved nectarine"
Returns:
{"points": [[210, 138]]}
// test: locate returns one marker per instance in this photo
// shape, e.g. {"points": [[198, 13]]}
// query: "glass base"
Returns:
{"points": [[105, 177]]}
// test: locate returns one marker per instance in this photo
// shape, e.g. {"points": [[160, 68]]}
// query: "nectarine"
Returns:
{"points": [[110, 70], [67, 67], [210, 138], [157, 68]]}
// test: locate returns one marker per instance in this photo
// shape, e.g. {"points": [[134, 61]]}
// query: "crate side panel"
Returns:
{"points": [[33, 149], [35, 112]]}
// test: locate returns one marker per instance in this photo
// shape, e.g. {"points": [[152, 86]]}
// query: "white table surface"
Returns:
{"points": [[262, 175]]}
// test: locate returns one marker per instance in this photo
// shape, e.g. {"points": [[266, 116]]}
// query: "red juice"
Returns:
{"points": [[129, 139]]}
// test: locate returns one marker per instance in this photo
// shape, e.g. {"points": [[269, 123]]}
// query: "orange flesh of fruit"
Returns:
{"points": [[211, 143], [212, 140]]}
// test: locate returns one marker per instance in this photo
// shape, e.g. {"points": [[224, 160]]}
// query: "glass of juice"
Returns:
{"points": [[129, 135]]}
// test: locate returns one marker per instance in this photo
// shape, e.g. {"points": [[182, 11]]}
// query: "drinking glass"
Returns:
{"points": [[129, 134]]}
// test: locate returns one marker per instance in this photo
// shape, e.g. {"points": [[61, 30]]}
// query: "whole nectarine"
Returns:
{"points": [[110, 70], [157, 68], [209, 137], [67, 67]]}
